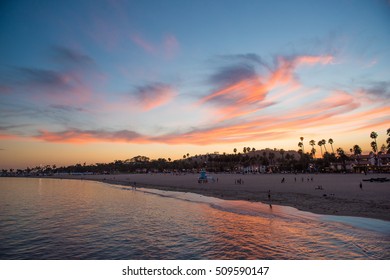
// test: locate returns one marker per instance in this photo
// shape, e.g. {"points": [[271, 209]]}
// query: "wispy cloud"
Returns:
{"points": [[377, 91], [143, 43], [338, 108], [67, 108], [69, 82], [242, 90], [87, 136], [71, 57], [50, 79], [153, 95], [232, 74], [248, 99], [4, 89], [171, 46], [167, 48], [4, 136], [13, 131]]}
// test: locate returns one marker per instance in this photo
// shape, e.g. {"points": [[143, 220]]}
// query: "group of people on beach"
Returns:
{"points": [[238, 181], [295, 179]]}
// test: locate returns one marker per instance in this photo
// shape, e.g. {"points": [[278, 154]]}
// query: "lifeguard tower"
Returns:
{"points": [[203, 177]]}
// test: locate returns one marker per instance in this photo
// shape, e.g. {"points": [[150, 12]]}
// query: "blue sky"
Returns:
{"points": [[103, 80]]}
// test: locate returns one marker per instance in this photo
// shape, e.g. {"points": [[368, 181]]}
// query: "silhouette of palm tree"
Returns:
{"points": [[324, 143], [320, 144], [330, 141], [374, 135]]}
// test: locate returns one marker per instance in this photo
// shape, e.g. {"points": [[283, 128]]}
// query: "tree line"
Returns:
{"points": [[249, 160]]}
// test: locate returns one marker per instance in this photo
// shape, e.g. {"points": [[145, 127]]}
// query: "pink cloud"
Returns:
{"points": [[171, 46], [338, 108], [306, 59], [7, 136], [247, 94], [239, 91], [168, 48], [78, 136], [71, 82], [154, 95], [141, 42]]}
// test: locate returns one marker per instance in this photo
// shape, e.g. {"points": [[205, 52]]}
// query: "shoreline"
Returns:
{"points": [[340, 194]]}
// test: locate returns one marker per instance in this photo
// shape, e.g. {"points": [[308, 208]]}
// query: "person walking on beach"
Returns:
{"points": [[269, 194], [283, 180], [361, 186]]}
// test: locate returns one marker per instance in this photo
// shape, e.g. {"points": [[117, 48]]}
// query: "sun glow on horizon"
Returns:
{"points": [[112, 84]]}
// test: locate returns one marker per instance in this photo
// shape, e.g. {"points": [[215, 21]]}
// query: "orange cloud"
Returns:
{"points": [[7, 136], [244, 92], [240, 91], [267, 127], [89, 136], [313, 59], [154, 95]]}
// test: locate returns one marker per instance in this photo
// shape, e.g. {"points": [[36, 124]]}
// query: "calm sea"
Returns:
{"points": [[76, 219]]}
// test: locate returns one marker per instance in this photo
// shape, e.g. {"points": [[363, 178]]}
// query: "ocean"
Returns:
{"points": [[85, 220]]}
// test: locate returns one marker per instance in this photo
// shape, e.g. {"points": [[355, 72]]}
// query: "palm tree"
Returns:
{"points": [[235, 150], [323, 143], [271, 157], [374, 147], [300, 145], [374, 135], [320, 144], [303, 147], [342, 156], [388, 141], [330, 141], [312, 143], [313, 152], [282, 153], [357, 151]]}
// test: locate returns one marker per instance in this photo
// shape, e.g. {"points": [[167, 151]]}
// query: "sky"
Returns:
{"points": [[98, 81]]}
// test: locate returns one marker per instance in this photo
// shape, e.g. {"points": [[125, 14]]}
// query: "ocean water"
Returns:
{"points": [[77, 219]]}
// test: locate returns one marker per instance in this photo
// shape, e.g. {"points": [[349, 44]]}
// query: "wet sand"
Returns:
{"points": [[332, 194]]}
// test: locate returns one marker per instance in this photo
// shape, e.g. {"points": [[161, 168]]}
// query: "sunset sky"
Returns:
{"points": [[97, 81]]}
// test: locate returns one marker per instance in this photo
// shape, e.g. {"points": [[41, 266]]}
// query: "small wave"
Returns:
{"points": [[268, 211], [380, 226]]}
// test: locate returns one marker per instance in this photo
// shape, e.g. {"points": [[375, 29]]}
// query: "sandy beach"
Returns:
{"points": [[333, 194]]}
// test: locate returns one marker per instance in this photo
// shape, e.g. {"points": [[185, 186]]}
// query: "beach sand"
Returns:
{"points": [[340, 194]]}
